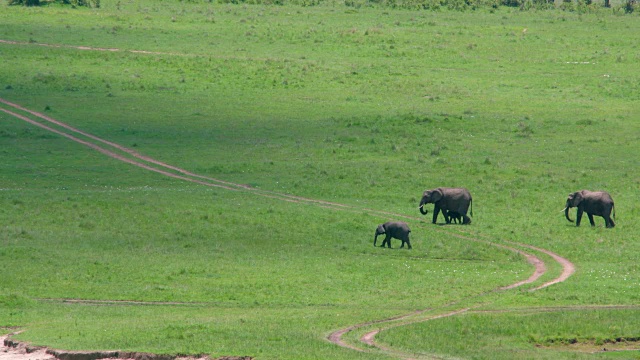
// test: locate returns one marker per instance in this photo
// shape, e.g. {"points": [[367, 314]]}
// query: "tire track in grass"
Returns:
{"points": [[443, 311], [188, 176], [368, 338], [89, 48], [130, 51], [134, 158], [109, 153], [567, 267]]}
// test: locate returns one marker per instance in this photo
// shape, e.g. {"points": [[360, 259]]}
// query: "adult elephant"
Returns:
{"points": [[448, 200], [597, 203]]}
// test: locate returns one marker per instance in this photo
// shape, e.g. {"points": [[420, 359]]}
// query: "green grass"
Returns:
{"points": [[363, 107], [580, 333], [174, 245]]}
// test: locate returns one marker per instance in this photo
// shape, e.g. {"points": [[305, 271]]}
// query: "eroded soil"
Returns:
{"points": [[14, 350]]}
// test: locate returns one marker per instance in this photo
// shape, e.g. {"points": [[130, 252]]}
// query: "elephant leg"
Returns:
{"points": [[447, 218], [387, 240], [436, 211], [593, 223], [466, 220], [579, 216], [408, 243], [610, 224]]}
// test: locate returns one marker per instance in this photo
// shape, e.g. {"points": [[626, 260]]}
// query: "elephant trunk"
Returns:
{"points": [[423, 211], [375, 239], [566, 213]]}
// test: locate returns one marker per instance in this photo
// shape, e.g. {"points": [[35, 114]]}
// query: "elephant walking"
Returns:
{"points": [[393, 229], [449, 200], [452, 217], [597, 203]]}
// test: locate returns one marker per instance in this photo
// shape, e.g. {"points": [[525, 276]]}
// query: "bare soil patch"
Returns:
{"points": [[14, 350]]}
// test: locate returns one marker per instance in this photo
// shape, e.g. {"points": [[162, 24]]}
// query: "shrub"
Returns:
{"points": [[630, 6], [25, 2], [74, 3]]}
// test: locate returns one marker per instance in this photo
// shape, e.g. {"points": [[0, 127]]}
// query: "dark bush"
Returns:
{"points": [[630, 6], [74, 3], [25, 2]]}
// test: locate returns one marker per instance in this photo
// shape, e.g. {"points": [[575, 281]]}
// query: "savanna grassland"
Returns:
{"points": [[336, 118]]}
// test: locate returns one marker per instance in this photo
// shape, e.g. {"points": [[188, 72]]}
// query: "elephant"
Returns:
{"points": [[456, 200], [597, 203], [452, 216], [393, 229]]}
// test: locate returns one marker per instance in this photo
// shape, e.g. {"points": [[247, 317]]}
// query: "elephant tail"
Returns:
{"points": [[614, 211], [471, 203]]}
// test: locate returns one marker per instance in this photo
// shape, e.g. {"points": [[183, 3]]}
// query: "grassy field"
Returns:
{"points": [[364, 108]]}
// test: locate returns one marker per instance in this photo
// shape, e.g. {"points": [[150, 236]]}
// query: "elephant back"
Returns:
{"points": [[601, 197], [455, 199]]}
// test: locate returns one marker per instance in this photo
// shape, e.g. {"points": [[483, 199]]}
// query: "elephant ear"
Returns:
{"points": [[570, 200], [380, 229], [436, 195], [577, 198]]}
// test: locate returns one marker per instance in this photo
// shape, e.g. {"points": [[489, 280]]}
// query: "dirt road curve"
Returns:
{"points": [[132, 157], [368, 338], [567, 267]]}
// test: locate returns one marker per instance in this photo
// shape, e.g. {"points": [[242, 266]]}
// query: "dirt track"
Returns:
{"points": [[134, 158], [368, 338]]}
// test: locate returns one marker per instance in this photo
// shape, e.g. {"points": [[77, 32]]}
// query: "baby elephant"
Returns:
{"points": [[452, 217], [393, 229]]}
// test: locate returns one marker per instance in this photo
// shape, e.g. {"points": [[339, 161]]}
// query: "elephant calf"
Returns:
{"points": [[393, 229], [597, 203], [452, 217]]}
